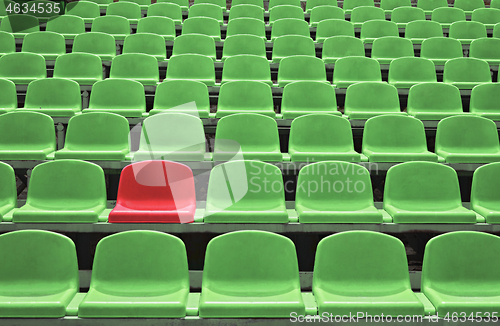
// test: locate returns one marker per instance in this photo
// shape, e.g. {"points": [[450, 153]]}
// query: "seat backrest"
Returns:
{"points": [[485, 98], [191, 66], [163, 26], [22, 64], [78, 65], [371, 96], [495, 4], [447, 15], [249, 26], [392, 47], [288, 45], [8, 191], [246, 10], [467, 30], [169, 10], [54, 92], [220, 3], [20, 23], [7, 43], [333, 27], [66, 24], [431, 4], [351, 4], [311, 4], [486, 15], [342, 46], [485, 48], [366, 13], [437, 97], [485, 186], [356, 69], [8, 95], [246, 67], [243, 44], [139, 2], [468, 5], [466, 70], [378, 28], [174, 95], [44, 42], [206, 10], [259, 3], [134, 65], [423, 29], [202, 25], [301, 67], [83, 9], [117, 93], [441, 48], [290, 26], [147, 43], [244, 95], [285, 11], [183, 3], [194, 44], [275, 3], [393, 4], [309, 95], [323, 12], [114, 25], [27, 130], [413, 69], [407, 14], [96, 43], [129, 10]]}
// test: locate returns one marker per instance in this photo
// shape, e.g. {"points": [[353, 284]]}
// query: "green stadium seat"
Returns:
{"points": [[387, 48], [460, 273], [487, 16], [424, 192], [484, 101], [259, 3], [275, 3], [420, 30], [321, 137], [362, 14], [8, 96], [117, 26], [369, 99], [129, 10], [8, 192], [46, 274], [249, 26], [84, 68], [485, 191], [68, 26], [220, 3], [465, 73], [403, 15], [267, 262], [137, 66], [22, 68], [7, 43], [246, 11], [321, 13], [202, 25], [246, 67], [57, 97], [64, 191], [121, 96], [245, 97], [172, 96], [495, 4], [171, 136], [349, 5], [97, 136], [285, 11], [341, 46], [468, 6], [395, 138], [26, 136], [467, 139], [486, 48], [496, 30], [255, 135], [103, 4], [162, 26], [138, 274], [49, 44], [390, 5], [373, 29], [336, 192], [243, 44], [430, 5], [447, 15], [306, 97], [333, 27], [351, 70], [192, 67], [147, 43], [408, 71], [289, 45], [311, 4], [441, 49], [434, 101], [19, 24], [144, 4], [467, 31], [183, 3], [206, 10], [364, 271], [100, 44], [289, 26], [169, 10], [194, 44], [300, 67]]}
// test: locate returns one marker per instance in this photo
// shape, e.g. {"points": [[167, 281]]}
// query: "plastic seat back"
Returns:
{"points": [[351, 70], [220, 3], [245, 96], [349, 5], [386, 48], [430, 5], [246, 67], [88, 10], [468, 5], [194, 44], [8, 96], [285, 11], [117, 26], [67, 25], [250, 26], [333, 27], [486, 48], [488, 16], [371, 97], [362, 14], [191, 67], [404, 15], [311, 4], [8, 193], [441, 49], [484, 100], [390, 5], [169, 10], [84, 68], [138, 66], [22, 68], [404, 72], [146, 43], [423, 29], [373, 29], [202, 25], [289, 26], [206, 10], [275, 3], [7, 43], [183, 3], [53, 93], [129, 10], [485, 190], [341, 46], [178, 95], [19, 24], [467, 30], [447, 15], [116, 94], [246, 11], [48, 44], [243, 44], [434, 98], [324, 12], [258, 3], [301, 67], [466, 70], [289, 45], [97, 43], [305, 97], [162, 26]]}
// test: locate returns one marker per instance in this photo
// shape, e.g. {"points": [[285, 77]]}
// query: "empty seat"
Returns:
{"points": [[275, 3], [68, 26], [206, 10], [465, 73], [473, 290], [364, 271], [8, 96], [246, 11], [8, 192], [144, 4], [351, 70], [243, 44], [183, 3], [22, 68], [171, 136], [403, 15], [486, 48], [300, 67], [362, 14], [306, 97], [194, 44], [57, 97], [250, 26], [321, 137], [434, 101], [349, 5], [100, 44], [84, 68], [46, 270], [246, 67], [64, 191], [191, 67], [406, 72], [137, 66], [285, 11], [26, 136], [253, 202], [103, 4], [484, 192], [390, 5], [468, 6], [311, 4], [268, 264], [324, 12], [487, 16], [138, 274], [341, 46], [202, 25], [419, 30], [88, 10], [289, 26], [97, 136], [395, 138], [220, 3], [447, 15], [441, 49], [466, 31], [368, 99], [496, 30], [162, 26], [187, 96], [259, 3], [121, 96], [424, 192], [484, 101], [146, 43], [333, 27], [155, 192], [289, 45], [494, 4], [254, 135], [467, 139], [387, 48], [373, 29], [19, 24], [129, 10], [245, 97], [169, 10], [117, 26], [429, 5], [7, 43]]}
